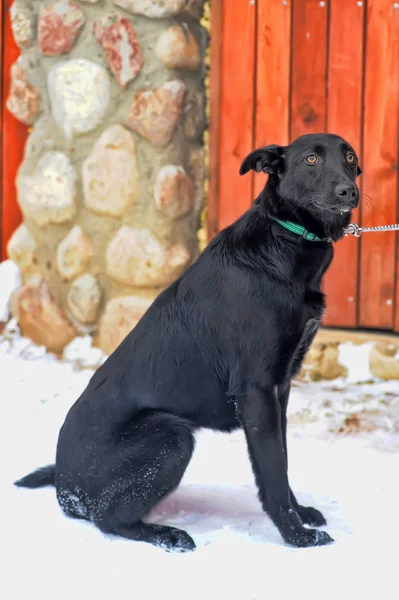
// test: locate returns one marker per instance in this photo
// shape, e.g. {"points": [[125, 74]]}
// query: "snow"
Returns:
{"points": [[359, 369], [353, 480]]}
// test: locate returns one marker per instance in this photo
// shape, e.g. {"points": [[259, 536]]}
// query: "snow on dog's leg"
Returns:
{"points": [[149, 461]]}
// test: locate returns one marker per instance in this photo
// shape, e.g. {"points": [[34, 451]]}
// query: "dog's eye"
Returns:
{"points": [[350, 158], [312, 159]]}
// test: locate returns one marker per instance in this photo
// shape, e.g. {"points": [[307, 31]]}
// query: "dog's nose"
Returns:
{"points": [[347, 192]]}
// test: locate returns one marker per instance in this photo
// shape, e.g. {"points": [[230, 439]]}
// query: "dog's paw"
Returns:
{"points": [[177, 540], [311, 516], [304, 538]]}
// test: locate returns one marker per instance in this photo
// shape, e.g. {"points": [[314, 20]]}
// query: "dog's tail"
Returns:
{"points": [[39, 478]]}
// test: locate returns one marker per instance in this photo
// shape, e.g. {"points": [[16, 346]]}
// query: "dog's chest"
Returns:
{"points": [[312, 317], [308, 333]]}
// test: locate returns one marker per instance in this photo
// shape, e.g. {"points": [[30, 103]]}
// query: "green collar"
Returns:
{"points": [[300, 230]]}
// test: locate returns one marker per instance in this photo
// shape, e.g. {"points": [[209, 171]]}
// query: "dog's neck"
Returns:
{"points": [[327, 225]]}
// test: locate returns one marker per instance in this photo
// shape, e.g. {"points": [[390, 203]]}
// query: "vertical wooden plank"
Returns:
{"points": [[396, 307], [13, 139], [344, 117], [237, 108], [215, 115], [1, 122], [396, 323], [309, 52], [272, 76], [380, 180]]}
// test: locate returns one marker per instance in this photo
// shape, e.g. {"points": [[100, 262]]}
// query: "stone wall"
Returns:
{"points": [[111, 186]]}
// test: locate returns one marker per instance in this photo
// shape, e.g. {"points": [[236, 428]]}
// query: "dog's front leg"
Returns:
{"points": [[260, 413], [308, 514]]}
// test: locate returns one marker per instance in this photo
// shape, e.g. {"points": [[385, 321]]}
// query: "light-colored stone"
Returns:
{"points": [[118, 39], [49, 194], [136, 257], [24, 99], [154, 113], [177, 48], [121, 315], [330, 368], [322, 362], [84, 297], [40, 318], [22, 23], [193, 115], [173, 191], [110, 174], [79, 93], [59, 26], [21, 247], [74, 253], [155, 9], [384, 361]]}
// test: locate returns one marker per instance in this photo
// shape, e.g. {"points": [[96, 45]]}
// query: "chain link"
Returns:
{"points": [[356, 230]]}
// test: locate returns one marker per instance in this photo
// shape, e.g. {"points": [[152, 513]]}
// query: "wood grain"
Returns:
{"points": [[272, 117], [344, 118], [215, 116], [380, 180], [309, 53], [237, 108]]}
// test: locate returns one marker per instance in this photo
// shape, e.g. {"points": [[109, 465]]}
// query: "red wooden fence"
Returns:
{"points": [[13, 134], [290, 67]]}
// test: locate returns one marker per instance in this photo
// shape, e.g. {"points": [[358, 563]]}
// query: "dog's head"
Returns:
{"points": [[316, 174]]}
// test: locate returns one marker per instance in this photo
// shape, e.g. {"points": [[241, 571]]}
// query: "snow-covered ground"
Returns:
{"points": [[353, 479]]}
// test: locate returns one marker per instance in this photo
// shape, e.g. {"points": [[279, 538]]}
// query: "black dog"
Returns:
{"points": [[217, 349]]}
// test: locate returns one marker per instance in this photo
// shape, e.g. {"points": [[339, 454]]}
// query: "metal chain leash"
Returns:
{"points": [[356, 230]]}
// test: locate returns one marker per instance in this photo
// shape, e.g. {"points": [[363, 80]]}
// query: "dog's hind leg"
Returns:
{"points": [[308, 514], [148, 462]]}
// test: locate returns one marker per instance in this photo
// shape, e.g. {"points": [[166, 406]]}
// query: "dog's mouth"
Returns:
{"points": [[341, 210]]}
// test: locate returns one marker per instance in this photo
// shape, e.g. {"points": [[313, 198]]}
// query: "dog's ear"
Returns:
{"points": [[267, 159], [359, 171]]}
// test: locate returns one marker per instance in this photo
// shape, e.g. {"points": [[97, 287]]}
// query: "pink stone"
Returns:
{"points": [[178, 48], [154, 113], [121, 315], [59, 25], [40, 317], [119, 42], [24, 100], [173, 191], [135, 257]]}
